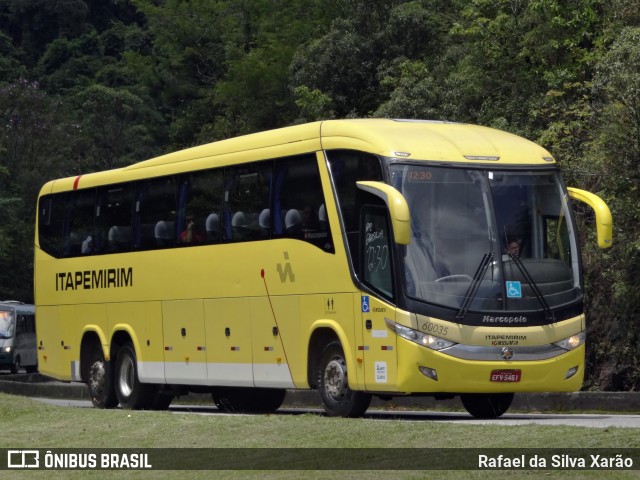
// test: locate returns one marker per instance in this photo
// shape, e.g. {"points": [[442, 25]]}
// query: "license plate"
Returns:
{"points": [[506, 375]]}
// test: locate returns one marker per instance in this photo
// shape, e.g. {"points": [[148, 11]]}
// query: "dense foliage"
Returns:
{"points": [[95, 84]]}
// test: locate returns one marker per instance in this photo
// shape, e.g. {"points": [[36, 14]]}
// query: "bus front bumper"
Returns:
{"points": [[436, 372]]}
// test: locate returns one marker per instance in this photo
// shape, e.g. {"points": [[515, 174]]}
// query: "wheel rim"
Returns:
{"points": [[126, 377], [335, 378], [97, 378]]}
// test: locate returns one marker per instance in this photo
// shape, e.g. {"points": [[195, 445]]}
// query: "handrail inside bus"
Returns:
{"points": [[604, 222], [398, 208]]}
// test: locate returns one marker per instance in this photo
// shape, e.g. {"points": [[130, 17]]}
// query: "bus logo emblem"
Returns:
{"points": [[507, 353], [286, 272]]}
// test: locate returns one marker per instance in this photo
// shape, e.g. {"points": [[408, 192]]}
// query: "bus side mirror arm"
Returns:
{"points": [[604, 221], [398, 209]]}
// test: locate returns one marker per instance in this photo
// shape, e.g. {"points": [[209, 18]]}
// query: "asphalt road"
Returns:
{"points": [[576, 420]]}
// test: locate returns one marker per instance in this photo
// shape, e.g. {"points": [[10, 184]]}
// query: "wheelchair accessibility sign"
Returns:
{"points": [[514, 290], [365, 304]]}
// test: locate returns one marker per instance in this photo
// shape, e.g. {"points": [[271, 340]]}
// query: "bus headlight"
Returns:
{"points": [[7, 349], [572, 342], [424, 339]]}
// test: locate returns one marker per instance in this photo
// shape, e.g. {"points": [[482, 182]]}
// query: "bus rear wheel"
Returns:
{"points": [[100, 381], [249, 400], [132, 394], [484, 405], [338, 400]]}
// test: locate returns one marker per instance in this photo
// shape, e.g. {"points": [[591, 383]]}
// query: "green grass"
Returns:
{"points": [[26, 423]]}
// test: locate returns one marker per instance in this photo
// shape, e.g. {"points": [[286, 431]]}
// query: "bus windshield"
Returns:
{"points": [[487, 240], [7, 325]]}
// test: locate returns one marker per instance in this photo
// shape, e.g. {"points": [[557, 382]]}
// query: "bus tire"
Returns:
{"points": [[100, 381], [487, 405], [132, 394], [338, 400], [249, 400]]}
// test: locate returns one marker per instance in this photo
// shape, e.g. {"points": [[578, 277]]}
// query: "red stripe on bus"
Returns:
{"points": [[76, 181]]}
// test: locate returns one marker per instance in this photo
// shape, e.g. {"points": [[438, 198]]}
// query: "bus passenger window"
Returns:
{"points": [[246, 198], [51, 224], [114, 219], [200, 201], [156, 208], [299, 207], [347, 168], [80, 235]]}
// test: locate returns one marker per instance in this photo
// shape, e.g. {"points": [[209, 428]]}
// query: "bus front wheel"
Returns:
{"points": [[485, 405], [100, 381], [132, 394], [338, 400]]}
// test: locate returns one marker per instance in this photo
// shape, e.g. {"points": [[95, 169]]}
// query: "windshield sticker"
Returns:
{"points": [[514, 290]]}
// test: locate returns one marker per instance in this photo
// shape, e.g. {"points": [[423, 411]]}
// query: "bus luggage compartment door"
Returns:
{"points": [[184, 342]]}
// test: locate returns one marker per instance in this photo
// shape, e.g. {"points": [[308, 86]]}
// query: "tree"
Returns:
{"points": [[616, 159], [114, 123], [35, 146], [33, 24]]}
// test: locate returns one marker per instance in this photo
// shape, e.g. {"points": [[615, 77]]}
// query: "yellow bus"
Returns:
{"points": [[361, 258]]}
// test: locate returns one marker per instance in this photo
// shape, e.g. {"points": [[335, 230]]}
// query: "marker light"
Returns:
{"points": [[571, 372], [434, 343], [572, 342], [429, 372]]}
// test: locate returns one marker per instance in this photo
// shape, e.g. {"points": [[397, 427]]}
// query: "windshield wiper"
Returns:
{"points": [[475, 285], [525, 273]]}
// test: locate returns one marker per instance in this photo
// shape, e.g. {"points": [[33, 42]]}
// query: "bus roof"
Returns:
{"points": [[408, 139]]}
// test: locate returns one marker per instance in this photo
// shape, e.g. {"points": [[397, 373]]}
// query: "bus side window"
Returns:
{"points": [[247, 193], [114, 218], [299, 209], [347, 167], [200, 203], [51, 224], [156, 211], [80, 216]]}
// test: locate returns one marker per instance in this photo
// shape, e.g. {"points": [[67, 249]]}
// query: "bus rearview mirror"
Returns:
{"points": [[398, 208], [604, 222]]}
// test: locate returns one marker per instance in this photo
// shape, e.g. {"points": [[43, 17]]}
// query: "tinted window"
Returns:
{"points": [[299, 209], [156, 208], [241, 203], [246, 207], [51, 227], [347, 168], [114, 215], [80, 235], [200, 210]]}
